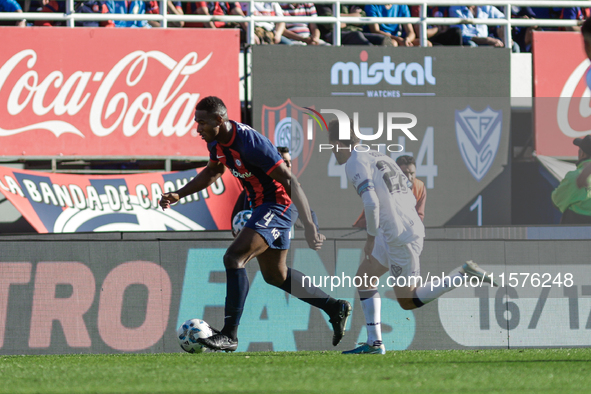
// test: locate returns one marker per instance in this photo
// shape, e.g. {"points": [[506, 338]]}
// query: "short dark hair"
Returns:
{"points": [[586, 29], [282, 149], [212, 105], [333, 133], [405, 160]]}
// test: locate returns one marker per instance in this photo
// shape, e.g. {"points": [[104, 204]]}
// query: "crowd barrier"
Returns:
{"points": [[70, 17]]}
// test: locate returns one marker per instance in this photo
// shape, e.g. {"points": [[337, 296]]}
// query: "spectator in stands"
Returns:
{"points": [[478, 35], [438, 35], [401, 35], [11, 6], [409, 167], [522, 35], [128, 7], [350, 34], [86, 7], [285, 155], [301, 33], [217, 8], [577, 13], [172, 8], [266, 32], [573, 201]]}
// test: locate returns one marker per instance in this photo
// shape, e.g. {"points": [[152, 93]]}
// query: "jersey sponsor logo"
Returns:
{"points": [[241, 175], [479, 136], [283, 125], [364, 73]]}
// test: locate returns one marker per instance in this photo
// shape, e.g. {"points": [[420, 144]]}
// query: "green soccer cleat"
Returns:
{"points": [[367, 349]]}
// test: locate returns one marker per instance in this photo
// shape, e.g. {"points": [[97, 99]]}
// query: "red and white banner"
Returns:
{"points": [[111, 92], [63, 203], [562, 107]]}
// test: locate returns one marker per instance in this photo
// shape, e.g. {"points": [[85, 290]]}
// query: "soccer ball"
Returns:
{"points": [[240, 220], [188, 333]]}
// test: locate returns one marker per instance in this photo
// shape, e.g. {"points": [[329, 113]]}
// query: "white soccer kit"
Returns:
{"points": [[389, 210]]}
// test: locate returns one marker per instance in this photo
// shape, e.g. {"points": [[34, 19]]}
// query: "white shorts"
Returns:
{"points": [[401, 260]]}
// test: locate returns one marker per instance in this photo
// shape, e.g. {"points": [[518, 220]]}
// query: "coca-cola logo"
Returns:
{"points": [[569, 118], [169, 112]]}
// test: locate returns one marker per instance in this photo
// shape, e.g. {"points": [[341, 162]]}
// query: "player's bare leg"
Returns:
{"points": [[371, 305], [247, 245], [275, 272]]}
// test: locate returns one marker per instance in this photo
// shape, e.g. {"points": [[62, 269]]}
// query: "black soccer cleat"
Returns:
{"points": [[219, 342], [338, 319]]}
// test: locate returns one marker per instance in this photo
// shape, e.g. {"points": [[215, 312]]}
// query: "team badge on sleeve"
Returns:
{"points": [[365, 186]]}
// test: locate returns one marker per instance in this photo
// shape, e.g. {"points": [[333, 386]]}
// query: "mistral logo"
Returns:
{"points": [[365, 73], [402, 121]]}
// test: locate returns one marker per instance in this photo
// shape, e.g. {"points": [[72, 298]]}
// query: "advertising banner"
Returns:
{"points": [[92, 296], [446, 107], [63, 203], [561, 92], [111, 92]]}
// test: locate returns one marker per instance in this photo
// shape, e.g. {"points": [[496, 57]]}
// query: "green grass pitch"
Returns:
{"points": [[468, 371]]}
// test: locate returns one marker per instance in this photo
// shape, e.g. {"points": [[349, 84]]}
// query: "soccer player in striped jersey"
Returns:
{"points": [[394, 235], [270, 187]]}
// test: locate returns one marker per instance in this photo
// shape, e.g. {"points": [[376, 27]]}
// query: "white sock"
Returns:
{"points": [[431, 291], [371, 303]]}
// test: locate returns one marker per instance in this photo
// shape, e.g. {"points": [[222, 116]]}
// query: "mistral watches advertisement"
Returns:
{"points": [[561, 90], [62, 203], [111, 92], [447, 107]]}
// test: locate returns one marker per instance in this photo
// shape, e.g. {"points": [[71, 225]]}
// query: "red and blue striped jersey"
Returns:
{"points": [[251, 157]]}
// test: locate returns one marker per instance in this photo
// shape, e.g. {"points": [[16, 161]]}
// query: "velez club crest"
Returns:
{"points": [[478, 135]]}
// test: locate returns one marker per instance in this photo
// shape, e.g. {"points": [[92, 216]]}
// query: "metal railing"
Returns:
{"points": [[71, 17]]}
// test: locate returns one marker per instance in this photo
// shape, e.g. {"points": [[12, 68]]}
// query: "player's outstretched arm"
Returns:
{"points": [[206, 177], [283, 175]]}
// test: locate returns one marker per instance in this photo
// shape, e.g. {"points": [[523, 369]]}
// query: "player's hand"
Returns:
{"points": [[369, 244], [312, 41], [168, 199], [314, 238], [496, 42]]}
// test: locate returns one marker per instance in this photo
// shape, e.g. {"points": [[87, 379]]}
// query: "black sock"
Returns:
{"points": [[305, 291], [236, 291]]}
